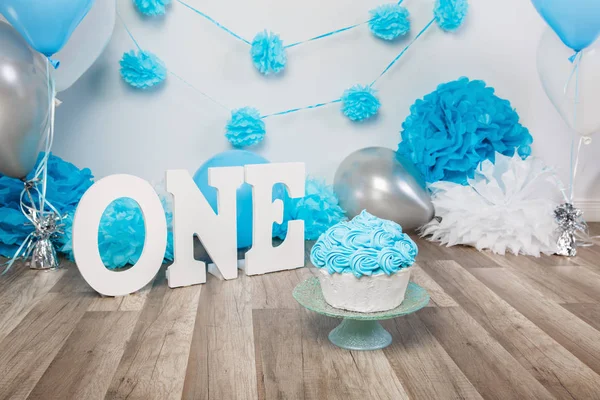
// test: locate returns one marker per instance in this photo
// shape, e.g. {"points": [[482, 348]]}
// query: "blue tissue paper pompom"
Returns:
{"points": [[319, 209], [389, 21], [66, 184], [142, 70], [121, 234], [152, 8], [450, 14], [245, 127], [360, 103], [451, 130], [268, 53]]}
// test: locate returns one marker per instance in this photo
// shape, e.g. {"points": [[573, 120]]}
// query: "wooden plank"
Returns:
{"points": [[438, 297], [27, 350], [26, 288], [559, 371], [72, 281], [543, 279], [221, 361], [131, 302], [330, 372], [571, 332], [378, 375], [424, 368], [85, 365], [154, 361], [494, 372], [278, 348], [274, 290], [586, 281], [429, 251], [590, 313]]}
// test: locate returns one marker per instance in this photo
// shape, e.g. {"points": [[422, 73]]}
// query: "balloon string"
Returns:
{"points": [[574, 155]]}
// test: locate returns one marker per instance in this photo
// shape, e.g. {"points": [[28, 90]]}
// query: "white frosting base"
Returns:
{"points": [[366, 294]]}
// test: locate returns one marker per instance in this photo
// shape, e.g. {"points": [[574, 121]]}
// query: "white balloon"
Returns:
{"points": [[86, 44], [574, 93]]}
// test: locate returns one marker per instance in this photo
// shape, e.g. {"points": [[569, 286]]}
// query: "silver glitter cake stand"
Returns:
{"points": [[358, 331]]}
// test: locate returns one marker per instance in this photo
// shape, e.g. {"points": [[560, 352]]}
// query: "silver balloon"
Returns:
{"points": [[386, 186], [24, 103]]}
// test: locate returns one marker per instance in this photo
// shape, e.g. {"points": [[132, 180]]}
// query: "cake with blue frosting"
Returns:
{"points": [[364, 263]]}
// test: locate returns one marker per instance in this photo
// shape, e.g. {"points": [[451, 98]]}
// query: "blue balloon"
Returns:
{"points": [[576, 22], [235, 158], [46, 24]]}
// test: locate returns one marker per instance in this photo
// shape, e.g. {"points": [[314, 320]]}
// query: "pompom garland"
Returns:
{"points": [[451, 130], [142, 69], [245, 127], [319, 209], [450, 14], [506, 207], [360, 103], [151, 8], [389, 21], [268, 53]]}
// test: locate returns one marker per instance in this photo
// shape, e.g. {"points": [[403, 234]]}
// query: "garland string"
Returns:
{"points": [[390, 65], [170, 71]]}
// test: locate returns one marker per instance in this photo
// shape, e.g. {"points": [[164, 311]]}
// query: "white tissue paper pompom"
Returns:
{"points": [[506, 206]]}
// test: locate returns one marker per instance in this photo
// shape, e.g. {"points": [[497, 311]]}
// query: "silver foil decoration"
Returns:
{"points": [[43, 255], [570, 226]]}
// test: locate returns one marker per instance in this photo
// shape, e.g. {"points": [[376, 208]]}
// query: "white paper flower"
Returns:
{"points": [[507, 206]]}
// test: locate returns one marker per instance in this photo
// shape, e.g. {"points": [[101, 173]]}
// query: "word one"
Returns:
{"points": [[192, 216]]}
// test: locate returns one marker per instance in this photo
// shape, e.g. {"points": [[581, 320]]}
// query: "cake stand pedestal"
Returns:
{"points": [[358, 331]]}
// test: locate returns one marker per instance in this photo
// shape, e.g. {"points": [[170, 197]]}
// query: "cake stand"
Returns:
{"points": [[358, 331]]}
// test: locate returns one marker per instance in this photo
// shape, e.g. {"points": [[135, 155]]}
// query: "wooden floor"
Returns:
{"points": [[496, 328]]}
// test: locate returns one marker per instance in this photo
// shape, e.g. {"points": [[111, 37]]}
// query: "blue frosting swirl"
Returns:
{"points": [[367, 245]]}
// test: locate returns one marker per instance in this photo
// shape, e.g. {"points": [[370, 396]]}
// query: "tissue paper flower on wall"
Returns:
{"points": [[65, 185], [505, 207], [451, 130], [142, 70], [245, 127], [319, 209], [152, 7], [360, 103], [450, 14], [389, 21], [268, 53]]}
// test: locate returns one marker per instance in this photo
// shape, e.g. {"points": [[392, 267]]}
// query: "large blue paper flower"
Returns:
{"points": [[451, 130], [152, 7], [449, 14], [142, 70], [121, 234], [360, 103], [268, 53], [319, 209], [245, 127], [65, 186], [389, 21]]}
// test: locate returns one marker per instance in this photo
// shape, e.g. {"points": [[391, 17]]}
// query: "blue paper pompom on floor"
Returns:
{"points": [[245, 128], [451, 130], [152, 8], [319, 209], [65, 185], [360, 103], [450, 14], [389, 21], [142, 69], [268, 53]]}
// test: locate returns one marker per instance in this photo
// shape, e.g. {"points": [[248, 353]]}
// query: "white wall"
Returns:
{"points": [[105, 125]]}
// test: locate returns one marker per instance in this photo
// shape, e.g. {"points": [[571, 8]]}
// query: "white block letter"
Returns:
{"points": [[85, 235], [192, 215], [263, 257]]}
